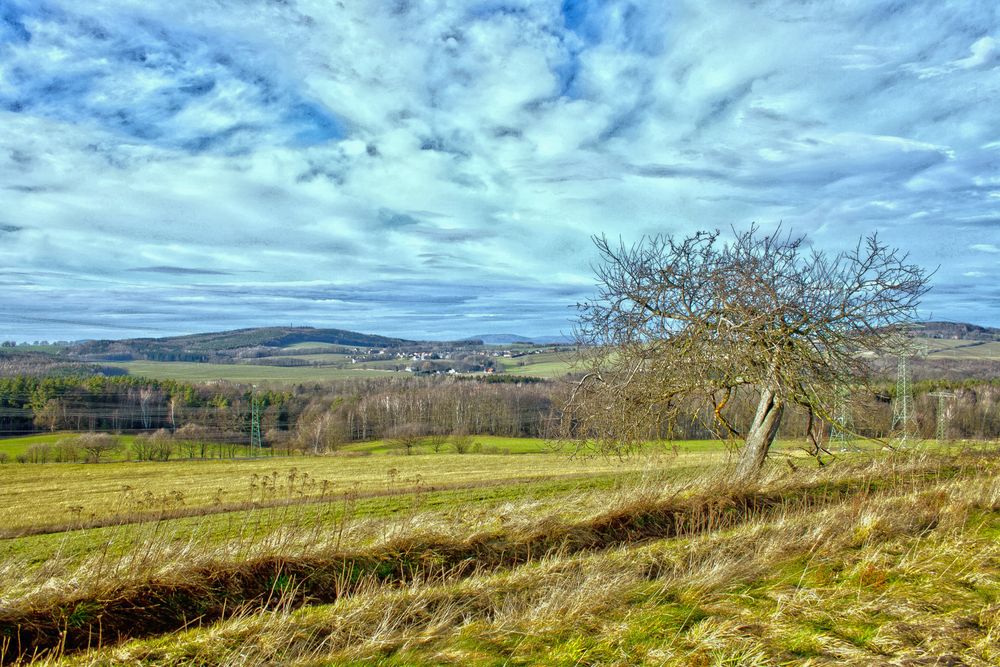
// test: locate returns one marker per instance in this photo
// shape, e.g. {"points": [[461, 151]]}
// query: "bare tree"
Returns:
{"points": [[678, 324], [98, 445]]}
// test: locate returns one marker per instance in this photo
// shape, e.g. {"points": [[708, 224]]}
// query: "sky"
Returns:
{"points": [[437, 169]]}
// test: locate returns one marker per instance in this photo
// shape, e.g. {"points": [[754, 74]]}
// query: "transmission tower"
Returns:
{"points": [[256, 441], [942, 414], [842, 429], [902, 408]]}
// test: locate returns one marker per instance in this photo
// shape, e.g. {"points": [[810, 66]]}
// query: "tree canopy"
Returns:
{"points": [[677, 320]]}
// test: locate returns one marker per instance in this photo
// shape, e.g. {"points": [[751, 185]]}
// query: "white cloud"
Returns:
{"points": [[458, 155]]}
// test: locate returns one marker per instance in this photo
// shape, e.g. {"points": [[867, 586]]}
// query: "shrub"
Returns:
{"points": [[462, 442], [66, 451], [39, 453]]}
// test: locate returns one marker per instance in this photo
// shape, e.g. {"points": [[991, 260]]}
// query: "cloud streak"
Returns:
{"points": [[423, 169]]}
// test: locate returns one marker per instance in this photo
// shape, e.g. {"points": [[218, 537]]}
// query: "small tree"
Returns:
{"points": [[405, 438], [688, 322], [319, 428], [461, 441], [436, 441]]}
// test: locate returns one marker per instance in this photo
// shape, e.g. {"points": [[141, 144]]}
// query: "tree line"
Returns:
{"points": [[320, 417]]}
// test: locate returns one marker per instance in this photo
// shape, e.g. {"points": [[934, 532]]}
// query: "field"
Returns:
{"points": [[370, 556], [540, 365], [962, 349], [545, 364]]}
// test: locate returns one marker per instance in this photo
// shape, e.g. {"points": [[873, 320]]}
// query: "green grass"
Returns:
{"points": [[489, 443], [319, 357], [19, 445], [546, 364], [100, 490], [399, 499]]}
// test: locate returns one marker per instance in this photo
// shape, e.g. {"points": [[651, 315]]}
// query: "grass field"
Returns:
{"points": [[96, 493], [546, 364], [195, 372], [961, 349], [374, 557]]}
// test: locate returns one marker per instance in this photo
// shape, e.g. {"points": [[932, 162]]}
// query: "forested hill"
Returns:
{"points": [[202, 347], [958, 331]]}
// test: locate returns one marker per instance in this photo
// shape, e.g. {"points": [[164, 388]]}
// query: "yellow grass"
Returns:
{"points": [[903, 564]]}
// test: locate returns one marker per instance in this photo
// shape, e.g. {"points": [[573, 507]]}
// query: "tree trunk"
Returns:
{"points": [[760, 436]]}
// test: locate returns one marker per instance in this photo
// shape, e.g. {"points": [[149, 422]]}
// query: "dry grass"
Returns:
{"points": [[661, 572], [71, 494]]}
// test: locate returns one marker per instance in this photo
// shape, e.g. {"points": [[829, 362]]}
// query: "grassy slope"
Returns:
{"points": [[961, 349], [894, 561], [19, 445], [14, 446]]}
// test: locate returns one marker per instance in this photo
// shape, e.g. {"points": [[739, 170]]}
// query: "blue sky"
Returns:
{"points": [[435, 169]]}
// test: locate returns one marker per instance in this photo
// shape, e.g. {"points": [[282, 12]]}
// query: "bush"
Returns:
{"points": [[39, 453], [462, 442], [4, 458], [157, 446], [436, 441], [66, 451]]}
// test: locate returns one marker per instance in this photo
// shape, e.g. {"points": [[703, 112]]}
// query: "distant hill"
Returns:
{"points": [[957, 331], [501, 339], [206, 346], [514, 339]]}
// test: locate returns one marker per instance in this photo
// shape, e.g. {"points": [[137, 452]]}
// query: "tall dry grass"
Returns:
{"points": [[364, 589]]}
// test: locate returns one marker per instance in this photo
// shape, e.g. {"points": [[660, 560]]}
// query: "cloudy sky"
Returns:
{"points": [[435, 169]]}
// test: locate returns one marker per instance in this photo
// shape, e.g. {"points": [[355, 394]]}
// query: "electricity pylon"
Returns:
{"points": [[842, 428], [942, 414], [255, 438], [902, 408]]}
